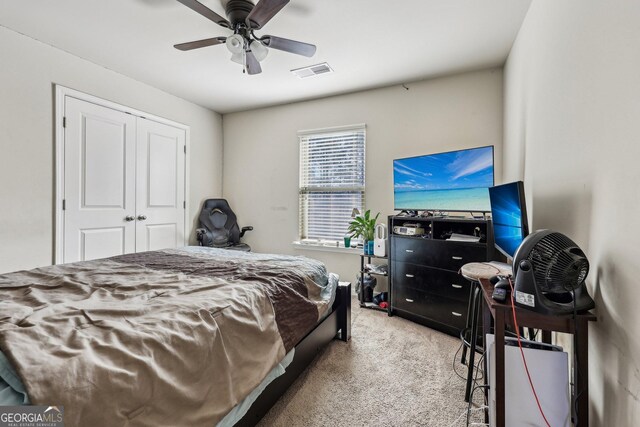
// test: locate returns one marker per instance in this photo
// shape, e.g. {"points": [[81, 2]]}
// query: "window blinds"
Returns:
{"points": [[332, 181]]}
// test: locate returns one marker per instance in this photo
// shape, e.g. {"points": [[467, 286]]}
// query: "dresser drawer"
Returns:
{"points": [[437, 253], [453, 255], [411, 300], [412, 249], [430, 280], [406, 275], [450, 285], [439, 309]]}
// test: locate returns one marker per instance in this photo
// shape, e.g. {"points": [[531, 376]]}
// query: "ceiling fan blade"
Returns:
{"points": [[200, 43], [292, 46], [253, 66], [263, 12], [206, 12]]}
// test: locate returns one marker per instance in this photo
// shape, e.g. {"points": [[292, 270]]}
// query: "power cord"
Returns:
{"points": [[533, 337], [524, 360], [478, 370], [475, 382], [482, 408], [453, 363], [486, 386], [455, 357]]}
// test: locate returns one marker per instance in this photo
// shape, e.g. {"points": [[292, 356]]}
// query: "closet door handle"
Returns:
{"points": [[411, 276], [409, 250], [456, 314], [409, 300], [142, 217], [457, 258], [129, 218], [453, 285]]}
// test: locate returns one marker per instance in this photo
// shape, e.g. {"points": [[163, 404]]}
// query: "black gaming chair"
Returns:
{"points": [[220, 227]]}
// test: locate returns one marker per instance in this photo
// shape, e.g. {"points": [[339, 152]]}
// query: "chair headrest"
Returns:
{"points": [[218, 218]]}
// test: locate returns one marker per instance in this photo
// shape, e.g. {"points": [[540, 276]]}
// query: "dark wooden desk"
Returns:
{"points": [[501, 313]]}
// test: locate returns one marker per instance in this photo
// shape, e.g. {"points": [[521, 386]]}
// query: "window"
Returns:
{"points": [[332, 181]]}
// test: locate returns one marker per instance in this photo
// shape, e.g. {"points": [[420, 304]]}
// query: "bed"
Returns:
{"points": [[193, 336]]}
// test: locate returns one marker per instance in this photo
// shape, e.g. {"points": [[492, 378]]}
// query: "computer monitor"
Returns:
{"points": [[509, 216]]}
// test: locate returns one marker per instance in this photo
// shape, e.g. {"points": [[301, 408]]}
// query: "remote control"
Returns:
{"points": [[499, 294]]}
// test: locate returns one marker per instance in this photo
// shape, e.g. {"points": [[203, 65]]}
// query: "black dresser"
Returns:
{"points": [[423, 270]]}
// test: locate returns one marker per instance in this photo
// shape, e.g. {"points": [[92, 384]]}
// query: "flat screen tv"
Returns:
{"points": [[452, 181], [509, 216]]}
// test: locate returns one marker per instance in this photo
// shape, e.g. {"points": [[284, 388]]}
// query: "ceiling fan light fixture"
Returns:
{"points": [[259, 50], [238, 58], [235, 44]]}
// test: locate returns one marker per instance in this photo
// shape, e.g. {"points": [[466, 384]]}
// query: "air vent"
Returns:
{"points": [[313, 70]]}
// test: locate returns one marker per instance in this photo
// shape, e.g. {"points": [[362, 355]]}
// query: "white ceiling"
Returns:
{"points": [[369, 43]]}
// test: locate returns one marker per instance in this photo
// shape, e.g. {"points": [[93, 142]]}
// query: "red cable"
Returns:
{"points": [[515, 324]]}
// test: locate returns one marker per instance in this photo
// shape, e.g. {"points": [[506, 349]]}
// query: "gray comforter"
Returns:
{"points": [[174, 337]]}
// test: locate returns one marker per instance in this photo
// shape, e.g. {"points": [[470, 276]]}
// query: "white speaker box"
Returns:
{"points": [[380, 240]]}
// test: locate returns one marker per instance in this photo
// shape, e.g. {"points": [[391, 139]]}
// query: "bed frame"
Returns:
{"points": [[336, 325]]}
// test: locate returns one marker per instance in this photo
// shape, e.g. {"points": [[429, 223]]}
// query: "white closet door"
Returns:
{"points": [[160, 189], [99, 176]]}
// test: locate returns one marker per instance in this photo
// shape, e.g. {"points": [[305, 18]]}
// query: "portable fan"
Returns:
{"points": [[550, 272]]}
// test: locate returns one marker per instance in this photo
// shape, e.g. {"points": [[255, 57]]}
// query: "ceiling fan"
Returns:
{"points": [[245, 46]]}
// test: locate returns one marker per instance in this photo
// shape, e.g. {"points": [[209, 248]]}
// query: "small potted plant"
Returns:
{"points": [[364, 226]]}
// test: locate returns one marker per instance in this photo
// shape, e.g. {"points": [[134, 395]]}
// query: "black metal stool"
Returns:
{"points": [[469, 335], [473, 320], [464, 333]]}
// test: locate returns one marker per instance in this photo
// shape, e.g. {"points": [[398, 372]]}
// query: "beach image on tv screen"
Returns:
{"points": [[453, 181]]}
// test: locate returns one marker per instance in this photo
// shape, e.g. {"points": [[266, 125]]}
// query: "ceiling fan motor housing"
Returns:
{"points": [[237, 11]]}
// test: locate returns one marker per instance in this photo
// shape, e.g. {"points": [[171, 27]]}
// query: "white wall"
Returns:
{"points": [[27, 74], [261, 148], [572, 129]]}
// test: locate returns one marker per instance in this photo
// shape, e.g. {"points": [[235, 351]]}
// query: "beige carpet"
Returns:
{"points": [[393, 372]]}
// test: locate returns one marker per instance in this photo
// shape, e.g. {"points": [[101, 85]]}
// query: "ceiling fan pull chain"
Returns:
{"points": [[244, 61]]}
